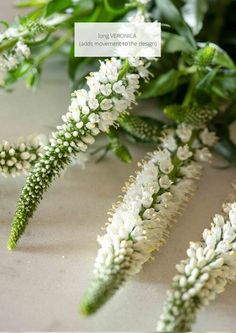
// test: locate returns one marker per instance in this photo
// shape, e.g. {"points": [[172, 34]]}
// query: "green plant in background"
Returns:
{"points": [[194, 76], [193, 84]]}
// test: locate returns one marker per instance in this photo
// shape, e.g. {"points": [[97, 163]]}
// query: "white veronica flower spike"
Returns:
{"points": [[20, 157], [210, 266], [139, 223], [112, 91]]}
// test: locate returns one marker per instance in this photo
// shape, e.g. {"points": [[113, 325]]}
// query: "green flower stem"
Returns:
{"points": [[56, 46]]}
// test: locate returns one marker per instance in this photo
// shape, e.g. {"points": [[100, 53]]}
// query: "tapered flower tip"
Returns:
{"points": [[86, 308], [11, 245], [98, 293], [88, 305]]}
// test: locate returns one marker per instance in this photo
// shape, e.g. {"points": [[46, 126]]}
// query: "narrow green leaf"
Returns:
{"points": [[194, 12], [83, 8], [33, 79], [5, 23], [223, 59], [227, 149], [120, 9], [172, 16], [162, 85], [224, 85], [122, 153], [117, 147], [31, 3], [175, 43], [205, 83], [57, 6]]}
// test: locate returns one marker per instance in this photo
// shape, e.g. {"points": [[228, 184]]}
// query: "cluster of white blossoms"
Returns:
{"points": [[210, 266], [112, 91], [139, 224], [9, 60], [20, 157]]}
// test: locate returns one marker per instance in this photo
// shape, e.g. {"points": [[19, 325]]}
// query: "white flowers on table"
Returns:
{"points": [[20, 157], [210, 266], [139, 223]]}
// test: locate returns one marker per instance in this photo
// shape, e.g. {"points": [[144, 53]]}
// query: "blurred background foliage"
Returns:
{"points": [[194, 81]]}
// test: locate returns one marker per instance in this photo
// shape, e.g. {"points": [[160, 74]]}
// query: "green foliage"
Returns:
{"points": [[162, 85], [221, 125], [115, 145], [32, 3], [172, 15], [55, 6], [195, 74], [174, 43], [194, 12], [224, 85]]}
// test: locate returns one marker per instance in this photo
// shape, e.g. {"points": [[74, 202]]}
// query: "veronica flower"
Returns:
{"points": [[210, 266], [139, 223], [141, 128], [9, 60], [20, 157], [112, 91]]}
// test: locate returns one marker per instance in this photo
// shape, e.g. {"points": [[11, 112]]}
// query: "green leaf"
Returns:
{"points": [[83, 8], [162, 85], [122, 153], [33, 79], [32, 3], [172, 16], [193, 12], [117, 147], [175, 43], [224, 85], [5, 23], [57, 6], [120, 9], [205, 83], [227, 149], [78, 68], [223, 59]]}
